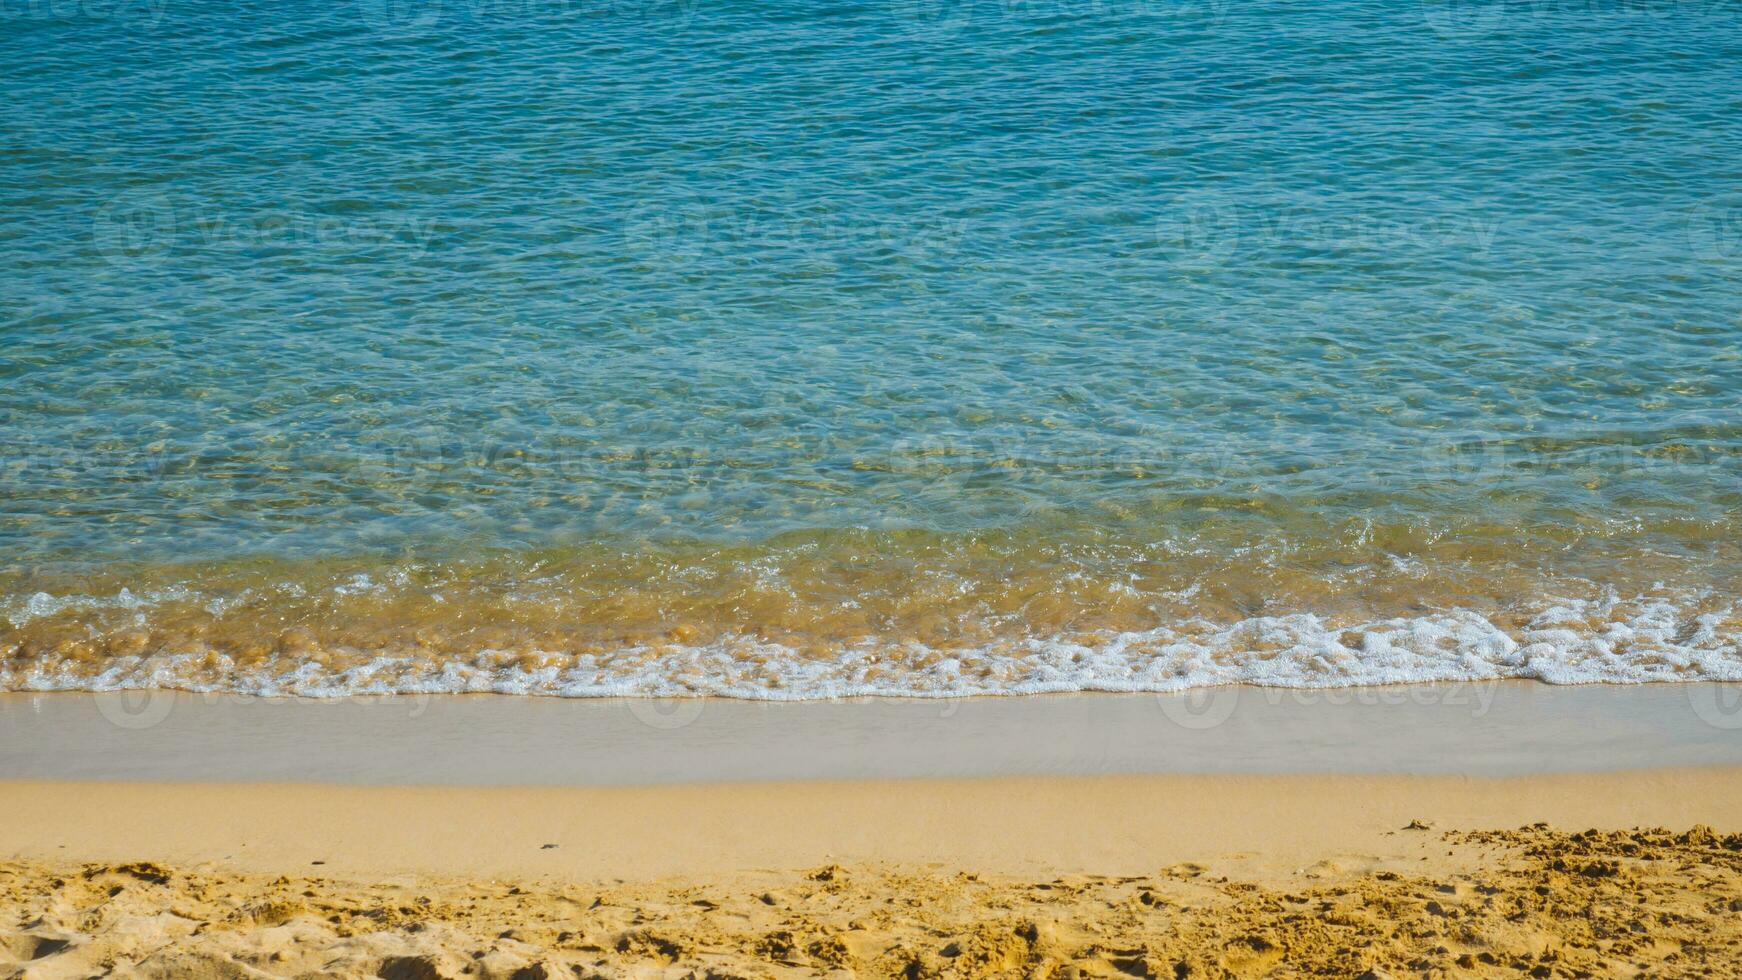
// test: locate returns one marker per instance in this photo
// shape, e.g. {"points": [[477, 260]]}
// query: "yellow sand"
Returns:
{"points": [[1149, 876]]}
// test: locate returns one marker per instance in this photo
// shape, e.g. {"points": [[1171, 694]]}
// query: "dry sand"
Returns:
{"points": [[1534, 902], [1170, 876]]}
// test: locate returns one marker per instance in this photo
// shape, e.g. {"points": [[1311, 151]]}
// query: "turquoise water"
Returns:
{"points": [[708, 321]]}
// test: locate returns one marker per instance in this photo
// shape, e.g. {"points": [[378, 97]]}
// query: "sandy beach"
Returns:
{"points": [[1179, 489], [1284, 862], [1144, 876]]}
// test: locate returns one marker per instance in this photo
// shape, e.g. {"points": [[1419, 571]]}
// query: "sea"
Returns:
{"points": [[799, 349]]}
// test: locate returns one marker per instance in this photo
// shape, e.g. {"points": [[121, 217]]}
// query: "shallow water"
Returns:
{"points": [[793, 350]]}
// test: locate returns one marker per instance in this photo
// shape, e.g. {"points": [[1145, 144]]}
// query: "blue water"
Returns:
{"points": [[354, 282]]}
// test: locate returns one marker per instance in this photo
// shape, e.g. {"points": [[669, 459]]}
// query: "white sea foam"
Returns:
{"points": [[21, 610], [1607, 640]]}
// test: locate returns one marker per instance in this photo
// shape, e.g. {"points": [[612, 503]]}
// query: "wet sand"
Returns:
{"points": [[1471, 728]]}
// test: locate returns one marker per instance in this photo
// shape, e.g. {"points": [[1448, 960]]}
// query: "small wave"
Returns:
{"points": [[1609, 639]]}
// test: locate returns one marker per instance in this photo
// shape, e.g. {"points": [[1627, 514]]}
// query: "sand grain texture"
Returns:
{"points": [[1535, 902]]}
